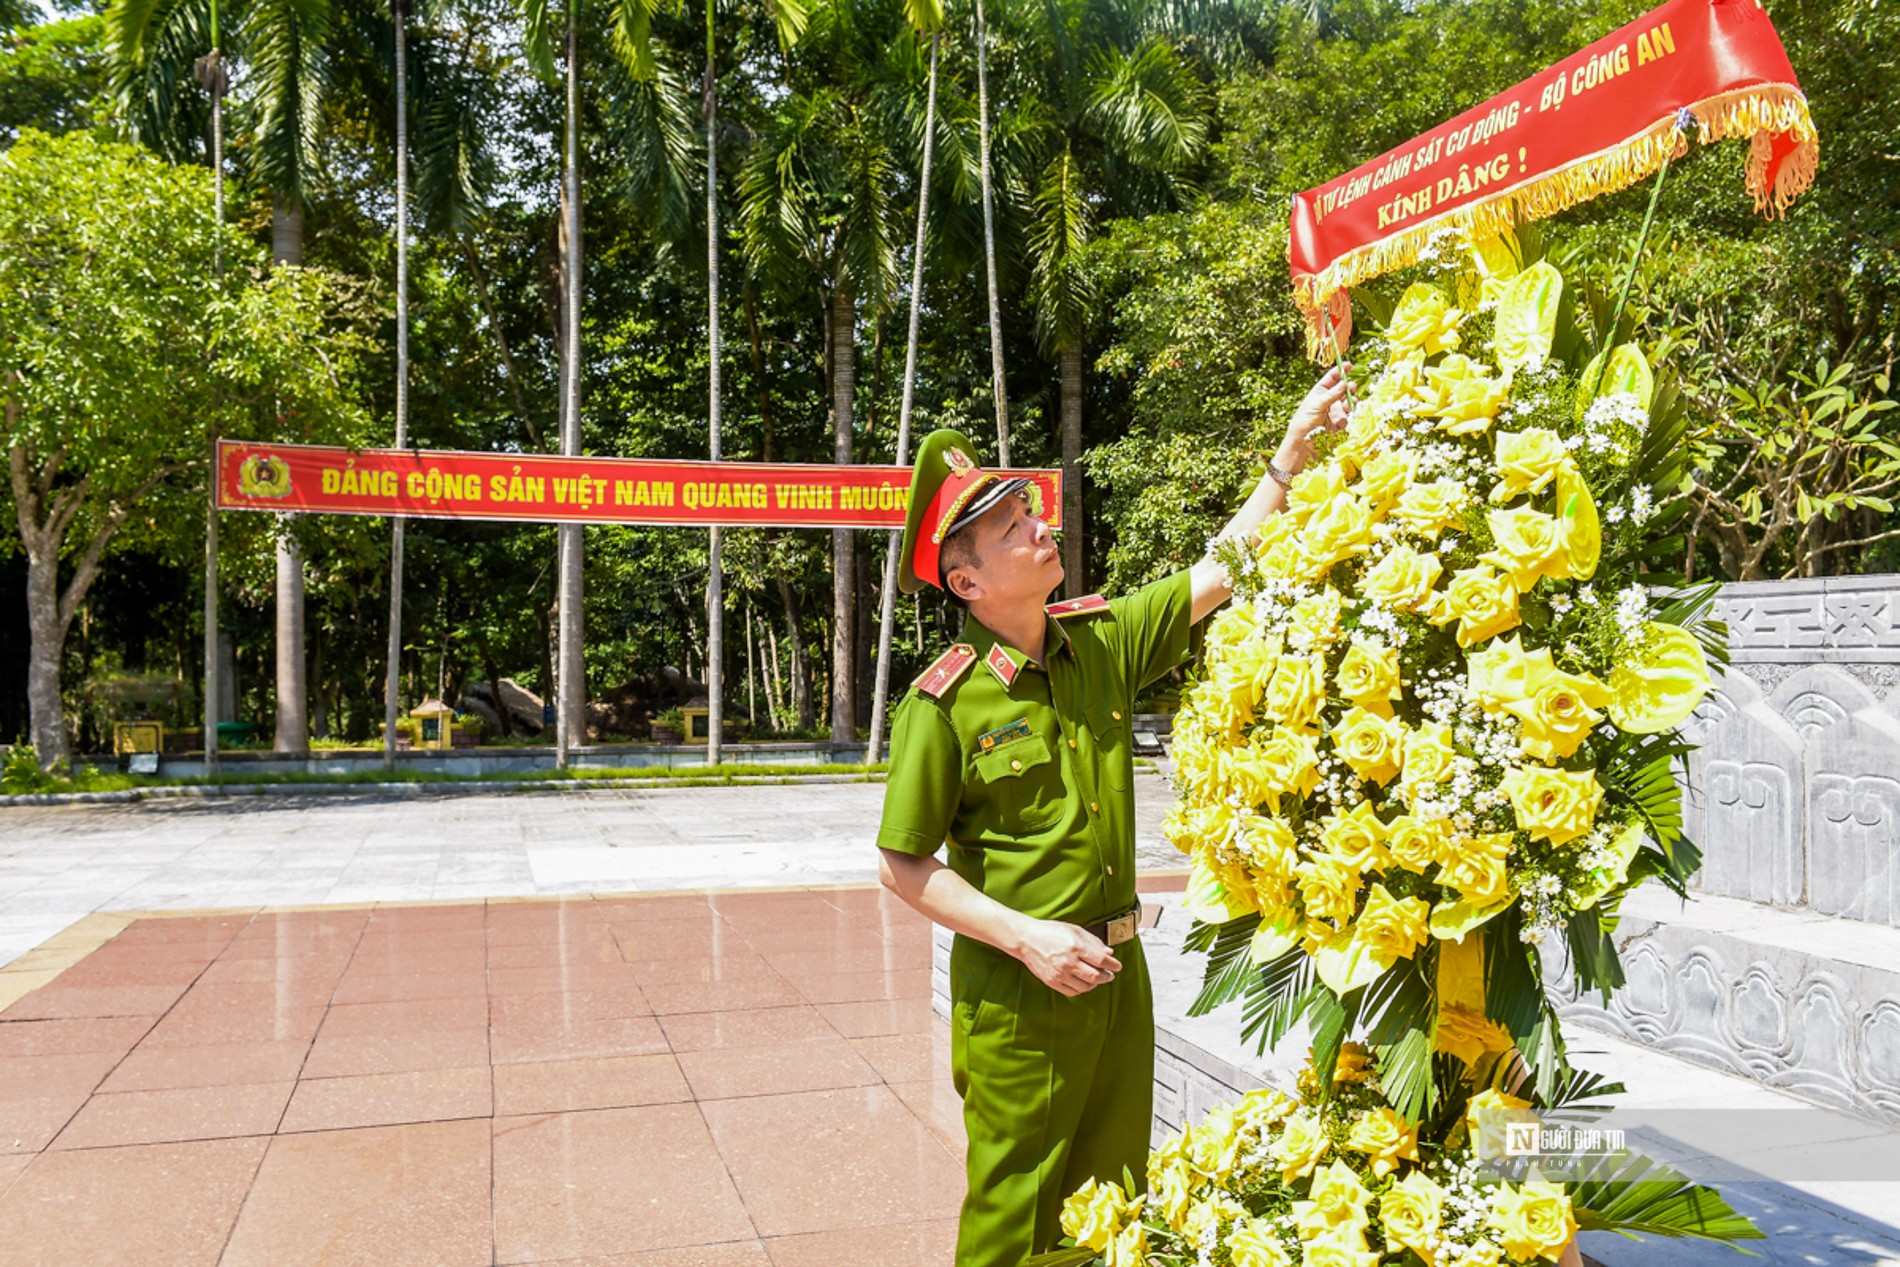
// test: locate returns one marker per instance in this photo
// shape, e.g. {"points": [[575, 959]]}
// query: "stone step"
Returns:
{"points": [[1801, 1002]]}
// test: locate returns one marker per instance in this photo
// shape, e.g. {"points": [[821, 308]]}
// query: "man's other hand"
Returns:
{"points": [[1067, 958]]}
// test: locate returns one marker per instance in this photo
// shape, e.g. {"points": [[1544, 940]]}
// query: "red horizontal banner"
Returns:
{"points": [[438, 484], [1598, 121]]}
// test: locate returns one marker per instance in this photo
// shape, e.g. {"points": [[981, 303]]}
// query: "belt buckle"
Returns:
{"points": [[1123, 928]]}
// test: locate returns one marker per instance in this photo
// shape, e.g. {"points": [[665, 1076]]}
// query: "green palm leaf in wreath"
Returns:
{"points": [[1640, 1195]]}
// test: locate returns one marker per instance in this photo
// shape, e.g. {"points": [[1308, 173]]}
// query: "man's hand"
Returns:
{"points": [[1326, 406], [1066, 958]]}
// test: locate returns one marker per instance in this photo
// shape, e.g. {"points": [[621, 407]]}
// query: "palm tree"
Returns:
{"points": [[1116, 118], [282, 53], [816, 203], [790, 17], [925, 16], [989, 235]]}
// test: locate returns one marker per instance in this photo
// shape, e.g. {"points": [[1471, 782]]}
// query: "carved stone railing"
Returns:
{"points": [[1794, 795]]}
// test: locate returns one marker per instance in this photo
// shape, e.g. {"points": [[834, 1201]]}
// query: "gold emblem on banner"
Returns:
{"points": [[264, 475]]}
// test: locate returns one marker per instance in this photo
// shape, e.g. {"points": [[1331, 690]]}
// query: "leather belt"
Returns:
{"points": [[1119, 929]]}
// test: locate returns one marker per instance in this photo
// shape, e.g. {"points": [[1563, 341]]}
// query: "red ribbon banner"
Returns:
{"points": [[1598, 121], [434, 484]]}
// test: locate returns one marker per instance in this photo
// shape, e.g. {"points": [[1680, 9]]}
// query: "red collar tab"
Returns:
{"points": [[943, 674], [1001, 665], [1087, 605]]}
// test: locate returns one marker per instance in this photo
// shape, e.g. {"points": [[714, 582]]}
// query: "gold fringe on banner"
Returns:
{"points": [[1760, 113]]}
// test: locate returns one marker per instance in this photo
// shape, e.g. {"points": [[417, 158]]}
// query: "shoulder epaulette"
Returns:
{"points": [[1087, 605], [949, 666]]}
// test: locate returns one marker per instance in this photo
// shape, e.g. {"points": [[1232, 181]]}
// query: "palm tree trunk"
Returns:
{"points": [[805, 714], [214, 707], [1070, 357], [394, 651], [571, 682], [715, 599], [881, 694], [989, 238], [844, 372], [293, 719]]}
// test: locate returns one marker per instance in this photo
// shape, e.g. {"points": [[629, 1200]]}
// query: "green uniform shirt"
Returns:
{"points": [[1041, 817]]}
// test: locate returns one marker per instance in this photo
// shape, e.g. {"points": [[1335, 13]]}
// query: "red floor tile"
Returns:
{"points": [[129, 1207], [567, 1086], [389, 1099], [212, 1065], [387, 1196], [824, 1160], [165, 1117], [56, 1037], [610, 1181], [721, 1073]]}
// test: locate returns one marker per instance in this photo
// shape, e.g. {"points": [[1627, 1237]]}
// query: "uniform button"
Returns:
{"points": [[1112, 713], [1015, 765], [1071, 743], [1094, 808], [1111, 871]]}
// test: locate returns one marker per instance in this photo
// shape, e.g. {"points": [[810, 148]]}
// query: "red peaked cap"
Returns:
{"points": [[948, 491]]}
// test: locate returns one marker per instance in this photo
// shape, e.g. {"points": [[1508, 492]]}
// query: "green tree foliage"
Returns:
{"points": [[122, 350]]}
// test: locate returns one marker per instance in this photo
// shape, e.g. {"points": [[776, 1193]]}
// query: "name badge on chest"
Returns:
{"points": [[991, 740]]}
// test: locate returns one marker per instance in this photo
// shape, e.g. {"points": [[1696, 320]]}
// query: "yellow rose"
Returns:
{"points": [[1313, 624], [1391, 928], [1403, 579], [1529, 546], [1335, 1205], [1424, 320], [1279, 549], [1302, 1144], [1483, 1254], [1357, 836], [1265, 1107], [1353, 1065], [1488, 1114], [1429, 509], [1415, 843], [1235, 625], [1214, 1146], [1385, 1138], [1412, 1210], [1254, 1243], [1129, 1248], [1339, 530], [1468, 1034], [1297, 691], [1340, 1252], [1330, 888], [1171, 1190], [1370, 744], [1369, 677], [1383, 479], [1314, 491], [1658, 681], [1461, 395], [1528, 461], [1365, 437], [1532, 1220], [1094, 1213], [1475, 867], [1289, 760], [1557, 805], [1483, 603], [1206, 1217], [1583, 531], [1560, 712], [1430, 756]]}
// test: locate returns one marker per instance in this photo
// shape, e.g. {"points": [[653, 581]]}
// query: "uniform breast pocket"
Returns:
{"points": [[1025, 780], [1110, 725]]}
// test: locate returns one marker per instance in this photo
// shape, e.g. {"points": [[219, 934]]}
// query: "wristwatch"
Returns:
{"points": [[1283, 478]]}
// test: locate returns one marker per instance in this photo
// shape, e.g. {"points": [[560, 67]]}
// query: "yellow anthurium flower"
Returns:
{"points": [[1658, 681], [1582, 530], [1528, 307]]}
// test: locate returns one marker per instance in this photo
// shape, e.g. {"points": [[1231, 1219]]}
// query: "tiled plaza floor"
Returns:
{"points": [[723, 1079]]}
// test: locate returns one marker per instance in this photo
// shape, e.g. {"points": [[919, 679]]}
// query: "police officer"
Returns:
{"points": [[1014, 751]]}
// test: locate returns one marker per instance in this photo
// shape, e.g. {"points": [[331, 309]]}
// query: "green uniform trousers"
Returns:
{"points": [[1056, 1091]]}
